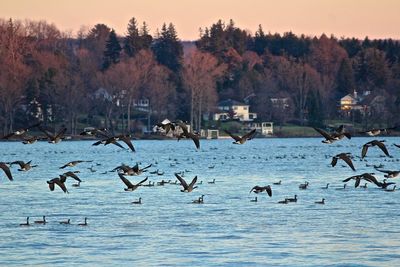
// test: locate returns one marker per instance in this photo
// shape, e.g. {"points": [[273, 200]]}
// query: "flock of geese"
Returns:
{"points": [[179, 130]]}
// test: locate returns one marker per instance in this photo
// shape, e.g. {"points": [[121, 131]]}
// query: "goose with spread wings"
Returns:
{"points": [[24, 166], [187, 187], [186, 134], [6, 170], [130, 186], [345, 157], [258, 189], [56, 138], [378, 143], [20, 132], [239, 140], [60, 181], [330, 138]]}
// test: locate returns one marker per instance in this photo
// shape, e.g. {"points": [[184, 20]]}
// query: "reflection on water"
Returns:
{"points": [[357, 227]]}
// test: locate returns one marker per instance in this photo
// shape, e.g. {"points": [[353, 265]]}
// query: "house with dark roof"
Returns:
{"points": [[232, 109]]}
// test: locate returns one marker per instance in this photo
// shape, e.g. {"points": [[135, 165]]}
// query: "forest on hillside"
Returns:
{"points": [[97, 78]]}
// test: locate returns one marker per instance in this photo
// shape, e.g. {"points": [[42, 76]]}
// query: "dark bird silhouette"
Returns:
{"points": [[54, 138], [258, 189], [186, 134], [95, 132], [130, 186], [239, 140], [345, 157], [391, 190], [320, 202], [66, 222], [74, 163], [20, 132], [396, 145], [28, 140], [389, 174], [375, 132], [186, 187], [278, 183], [167, 127], [124, 138], [83, 224], [137, 201], [384, 184], [25, 224], [330, 138], [303, 186], [58, 181], [372, 143], [41, 221], [70, 174], [253, 200], [135, 170], [200, 200], [6, 170], [366, 176], [292, 199], [23, 166]]}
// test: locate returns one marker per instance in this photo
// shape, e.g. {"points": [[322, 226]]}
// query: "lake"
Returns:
{"points": [[356, 226]]}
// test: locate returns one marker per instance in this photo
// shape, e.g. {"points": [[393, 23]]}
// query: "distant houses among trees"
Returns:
{"points": [[101, 79]]}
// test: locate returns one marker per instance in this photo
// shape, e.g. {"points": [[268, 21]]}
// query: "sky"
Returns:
{"points": [[342, 18]]}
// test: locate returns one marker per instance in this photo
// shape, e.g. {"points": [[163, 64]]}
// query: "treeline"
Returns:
{"points": [[98, 78]]}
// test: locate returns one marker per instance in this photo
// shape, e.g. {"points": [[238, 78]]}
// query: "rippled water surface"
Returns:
{"points": [[356, 227]]}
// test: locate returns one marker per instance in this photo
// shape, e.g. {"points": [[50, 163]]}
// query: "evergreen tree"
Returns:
{"points": [[315, 109], [168, 49], [345, 79], [112, 52], [132, 42], [145, 37]]}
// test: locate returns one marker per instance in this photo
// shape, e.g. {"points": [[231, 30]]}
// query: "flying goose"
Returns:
{"points": [[372, 143], [25, 224], [54, 139], [23, 166], [345, 157], [95, 131], [239, 140], [20, 132], [41, 221], [70, 174], [366, 176], [389, 174], [330, 138], [58, 181], [375, 132], [124, 138], [186, 187], [189, 135], [258, 189], [130, 186], [6, 170], [74, 163], [28, 140]]}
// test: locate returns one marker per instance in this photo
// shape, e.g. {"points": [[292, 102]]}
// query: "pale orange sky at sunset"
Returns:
{"points": [[348, 18]]}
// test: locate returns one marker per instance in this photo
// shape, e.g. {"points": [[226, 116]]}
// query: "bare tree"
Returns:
{"points": [[200, 71]]}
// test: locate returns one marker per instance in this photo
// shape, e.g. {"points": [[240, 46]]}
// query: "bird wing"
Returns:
{"points": [[396, 145], [8, 136], [142, 169], [364, 151], [193, 181], [51, 186], [141, 182], [249, 135], [235, 137], [136, 167], [19, 162], [370, 178], [347, 135], [347, 159], [351, 177], [358, 180], [61, 132], [334, 161], [97, 143], [195, 139], [72, 175], [62, 167], [61, 185], [385, 171], [269, 190], [382, 147], [323, 133], [49, 135], [126, 181], [6, 170], [127, 141], [182, 181], [117, 144]]}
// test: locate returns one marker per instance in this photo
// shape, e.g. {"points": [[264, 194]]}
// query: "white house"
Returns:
{"points": [[235, 109], [353, 102]]}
